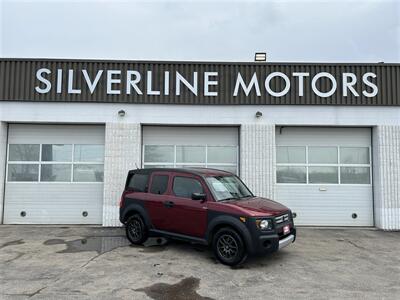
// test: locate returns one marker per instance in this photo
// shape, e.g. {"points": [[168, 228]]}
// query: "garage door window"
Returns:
{"points": [[25, 152], [89, 153], [23, 162], [59, 153], [23, 172], [88, 163], [354, 155], [322, 155], [159, 154], [55, 163], [323, 165], [88, 173], [323, 175], [291, 174], [191, 154], [291, 154], [355, 165], [186, 156], [55, 172]]}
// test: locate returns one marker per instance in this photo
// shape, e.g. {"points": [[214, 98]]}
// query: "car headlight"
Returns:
{"points": [[264, 224]]}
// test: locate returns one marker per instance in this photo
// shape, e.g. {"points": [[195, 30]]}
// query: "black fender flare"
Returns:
{"points": [[131, 207], [231, 222]]}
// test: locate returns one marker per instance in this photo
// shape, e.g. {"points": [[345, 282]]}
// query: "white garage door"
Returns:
{"points": [[324, 175], [54, 174], [212, 147]]}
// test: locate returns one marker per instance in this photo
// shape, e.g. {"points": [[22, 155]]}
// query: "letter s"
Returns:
{"points": [[40, 77], [370, 84]]}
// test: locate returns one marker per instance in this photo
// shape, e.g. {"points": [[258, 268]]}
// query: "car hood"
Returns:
{"points": [[260, 206]]}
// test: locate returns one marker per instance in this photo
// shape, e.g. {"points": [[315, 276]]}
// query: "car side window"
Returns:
{"points": [[138, 183], [185, 187], [159, 184]]}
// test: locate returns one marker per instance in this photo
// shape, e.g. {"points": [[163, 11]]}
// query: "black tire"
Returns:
{"points": [[136, 230], [228, 247]]}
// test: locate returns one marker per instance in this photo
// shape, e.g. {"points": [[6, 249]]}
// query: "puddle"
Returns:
{"points": [[105, 244], [98, 244], [184, 289], [12, 243]]}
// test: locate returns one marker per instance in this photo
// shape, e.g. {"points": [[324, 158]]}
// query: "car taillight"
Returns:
{"points": [[121, 201]]}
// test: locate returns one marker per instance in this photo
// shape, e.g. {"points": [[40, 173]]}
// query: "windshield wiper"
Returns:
{"points": [[231, 198], [237, 198]]}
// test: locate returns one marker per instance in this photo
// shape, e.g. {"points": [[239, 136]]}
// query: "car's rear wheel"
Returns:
{"points": [[228, 247], [136, 230]]}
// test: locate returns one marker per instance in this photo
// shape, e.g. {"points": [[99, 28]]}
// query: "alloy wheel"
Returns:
{"points": [[227, 246], [135, 229]]}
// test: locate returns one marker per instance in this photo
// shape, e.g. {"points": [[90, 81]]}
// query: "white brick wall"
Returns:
{"points": [[122, 153], [257, 158], [3, 151], [386, 150]]}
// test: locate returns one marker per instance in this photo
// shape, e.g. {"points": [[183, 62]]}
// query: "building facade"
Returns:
{"points": [[324, 139]]}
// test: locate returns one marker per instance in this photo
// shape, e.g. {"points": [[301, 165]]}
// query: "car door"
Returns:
{"points": [[187, 216], [156, 198]]}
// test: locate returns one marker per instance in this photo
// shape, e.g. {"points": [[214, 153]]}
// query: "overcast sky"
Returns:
{"points": [[327, 31]]}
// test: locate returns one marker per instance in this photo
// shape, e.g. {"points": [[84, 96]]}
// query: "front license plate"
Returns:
{"points": [[286, 229]]}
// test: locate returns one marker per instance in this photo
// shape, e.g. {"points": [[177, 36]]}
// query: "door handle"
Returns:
{"points": [[168, 204]]}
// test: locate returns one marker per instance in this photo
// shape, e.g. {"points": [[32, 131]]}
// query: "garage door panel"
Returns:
{"points": [[53, 195], [315, 207], [53, 203], [324, 175]]}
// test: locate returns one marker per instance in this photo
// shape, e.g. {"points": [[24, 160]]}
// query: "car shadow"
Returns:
{"points": [[206, 254]]}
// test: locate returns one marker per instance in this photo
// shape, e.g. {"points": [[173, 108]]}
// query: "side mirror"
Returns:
{"points": [[199, 196]]}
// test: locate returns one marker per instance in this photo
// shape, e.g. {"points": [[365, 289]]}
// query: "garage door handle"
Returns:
{"points": [[168, 204]]}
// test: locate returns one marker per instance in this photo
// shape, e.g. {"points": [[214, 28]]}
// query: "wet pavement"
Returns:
{"points": [[99, 263]]}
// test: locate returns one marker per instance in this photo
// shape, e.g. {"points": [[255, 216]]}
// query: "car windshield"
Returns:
{"points": [[228, 188]]}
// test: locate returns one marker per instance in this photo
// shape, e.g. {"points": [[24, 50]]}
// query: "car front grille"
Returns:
{"points": [[282, 219]]}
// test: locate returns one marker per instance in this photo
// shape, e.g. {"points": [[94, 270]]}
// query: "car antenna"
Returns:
{"points": [[136, 166]]}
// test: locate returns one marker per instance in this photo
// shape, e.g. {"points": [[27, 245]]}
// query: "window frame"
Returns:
{"points": [[207, 164], [150, 182], [187, 176], [338, 165], [40, 162], [132, 189]]}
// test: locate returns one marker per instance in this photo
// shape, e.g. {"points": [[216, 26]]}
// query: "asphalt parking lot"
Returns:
{"points": [[98, 263]]}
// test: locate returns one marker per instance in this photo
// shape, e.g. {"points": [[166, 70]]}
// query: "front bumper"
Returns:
{"points": [[286, 241], [269, 243]]}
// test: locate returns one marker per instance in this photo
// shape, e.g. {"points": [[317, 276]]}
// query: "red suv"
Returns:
{"points": [[206, 206]]}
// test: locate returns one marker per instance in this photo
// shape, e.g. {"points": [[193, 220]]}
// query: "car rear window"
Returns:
{"points": [[138, 182], [159, 184], [185, 187]]}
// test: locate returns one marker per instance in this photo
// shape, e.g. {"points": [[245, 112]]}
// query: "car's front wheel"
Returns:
{"points": [[228, 247], [136, 230]]}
